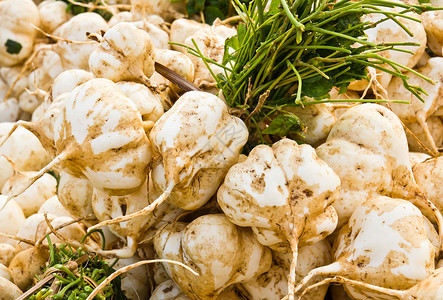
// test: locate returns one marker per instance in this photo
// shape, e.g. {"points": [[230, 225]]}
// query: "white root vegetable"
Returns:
{"points": [[190, 160], [376, 162], [135, 283], [118, 58], [273, 284], [7, 253], [429, 175], [99, 135], [168, 290], [4, 272], [435, 127], [7, 168], [420, 111], [17, 33], [433, 24], [148, 103], [23, 148], [34, 197], [9, 110], [27, 264], [108, 207], [78, 130], [28, 103], [42, 125], [181, 29], [8, 290], [54, 207], [76, 55], [75, 194], [220, 252], [48, 65], [66, 81], [385, 244], [416, 158], [11, 219], [36, 228], [9, 76], [52, 14], [284, 193]]}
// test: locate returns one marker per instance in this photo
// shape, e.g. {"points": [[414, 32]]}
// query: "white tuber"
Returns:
{"points": [[368, 150], [273, 285], [11, 219], [52, 14], [220, 252], [284, 193], [194, 145], [31, 200], [7, 253], [385, 243], [429, 176], [119, 58], [75, 55], [17, 33]]}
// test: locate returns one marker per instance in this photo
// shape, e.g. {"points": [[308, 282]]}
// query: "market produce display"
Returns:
{"points": [[233, 149]]}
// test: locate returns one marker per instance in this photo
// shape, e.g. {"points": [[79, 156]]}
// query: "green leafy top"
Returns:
{"points": [[77, 284], [297, 51]]}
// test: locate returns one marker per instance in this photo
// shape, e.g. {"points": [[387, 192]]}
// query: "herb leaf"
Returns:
{"points": [[13, 47], [284, 125]]}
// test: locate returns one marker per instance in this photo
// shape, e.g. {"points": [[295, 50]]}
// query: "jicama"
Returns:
{"points": [[22, 148], [220, 252], [76, 55], [429, 175], [17, 32], [27, 264], [8, 290], [284, 193], [52, 14], [107, 207], [75, 194], [11, 219], [117, 58], [181, 29], [54, 207], [374, 163], [34, 197], [385, 244], [273, 284], [433, 24], [190, 160]]}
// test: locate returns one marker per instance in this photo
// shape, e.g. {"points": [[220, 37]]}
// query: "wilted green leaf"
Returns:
{"points": [[284, 124], [13, 47]]}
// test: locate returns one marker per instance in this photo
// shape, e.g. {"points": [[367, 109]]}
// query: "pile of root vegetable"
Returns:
{"points": [[288, 150]]}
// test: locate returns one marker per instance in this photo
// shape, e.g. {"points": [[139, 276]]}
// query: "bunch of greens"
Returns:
{"points": [[76, 7], [75, 274], [292, 53]]}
